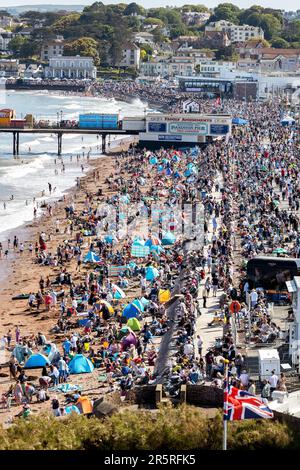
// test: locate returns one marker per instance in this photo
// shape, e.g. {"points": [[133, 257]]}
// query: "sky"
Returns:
{"points": [[290, 5]]}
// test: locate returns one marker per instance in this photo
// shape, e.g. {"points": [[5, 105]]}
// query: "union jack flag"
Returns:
{"points": [[239, 404]]}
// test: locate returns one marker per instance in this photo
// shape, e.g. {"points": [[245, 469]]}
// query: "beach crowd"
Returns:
{"points": [[119, 297]]}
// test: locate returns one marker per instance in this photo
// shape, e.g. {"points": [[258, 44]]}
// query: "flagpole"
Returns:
{"points": [[225, 405]]}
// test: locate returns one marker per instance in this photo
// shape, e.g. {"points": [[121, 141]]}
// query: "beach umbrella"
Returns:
{"points": [[168, 239], [131, 311], [91, 257], [117, 292], [151, 273], [72, 409], [279, 251]]}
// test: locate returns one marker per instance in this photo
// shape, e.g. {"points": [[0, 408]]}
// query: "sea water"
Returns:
{"points": [[24, 179]]}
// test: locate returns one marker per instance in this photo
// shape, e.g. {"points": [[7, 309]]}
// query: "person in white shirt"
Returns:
{"points": [[244, 378], [73, 341], [253, 297], [199, 345], [188, 349], [273, 380]]}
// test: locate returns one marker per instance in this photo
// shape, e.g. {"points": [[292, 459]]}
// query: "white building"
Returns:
{"points": [[210, 68], [144, 38], [6, 21], [195, 17], [168, 67], [131, 57], [52, 49], [236, 33], [9, 68], [76, 67], [34, 71], [5, 38]]}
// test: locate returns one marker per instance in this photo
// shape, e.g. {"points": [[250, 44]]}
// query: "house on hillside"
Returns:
{"points": [[52, 49], [236, 33]]}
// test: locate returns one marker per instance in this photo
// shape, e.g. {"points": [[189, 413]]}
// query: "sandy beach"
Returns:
{"points": [[20, 274]]}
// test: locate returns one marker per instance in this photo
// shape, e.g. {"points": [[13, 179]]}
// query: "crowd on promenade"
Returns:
{"points": [[249, 189]]}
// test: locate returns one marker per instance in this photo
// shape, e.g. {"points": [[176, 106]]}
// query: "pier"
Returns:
{"points": [[60, 132]]}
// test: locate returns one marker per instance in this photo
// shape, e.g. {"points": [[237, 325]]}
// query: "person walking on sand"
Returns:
{"points": [[18, 334]]}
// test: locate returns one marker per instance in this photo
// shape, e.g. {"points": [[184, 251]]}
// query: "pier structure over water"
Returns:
{"points": [[60, 132]]}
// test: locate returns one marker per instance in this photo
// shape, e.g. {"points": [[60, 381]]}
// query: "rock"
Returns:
{"points": [[102, 408]]}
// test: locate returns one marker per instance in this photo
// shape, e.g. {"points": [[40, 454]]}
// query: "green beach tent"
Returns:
{"points": [[134, 324]]}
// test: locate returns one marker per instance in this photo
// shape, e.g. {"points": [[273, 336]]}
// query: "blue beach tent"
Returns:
{"points": [[80, 365], [168, 238], [91, 257], [138, 304], [131, 311], [239, 121], [36, 361], [72, 409], [287, 121], [151, 273]]}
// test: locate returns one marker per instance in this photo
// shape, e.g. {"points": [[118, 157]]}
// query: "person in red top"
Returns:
{"points": [[47, 300]]}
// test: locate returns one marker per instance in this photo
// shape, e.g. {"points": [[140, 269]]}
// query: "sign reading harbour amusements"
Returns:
{"points": [[185, 128]]}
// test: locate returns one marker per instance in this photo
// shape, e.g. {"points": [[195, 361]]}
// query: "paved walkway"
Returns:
{"points": [[209, 333]]}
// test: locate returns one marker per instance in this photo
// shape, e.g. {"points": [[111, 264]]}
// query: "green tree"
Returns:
{"points": [[178, 31], [254, 19], [198, 8], [280, 43], [227, 12], [63, 24], [270, 25], [154, 21], [227, 53], [291, 31], [158, 35], [134, 9], [85, 47], [15, 45], [115, 52]]}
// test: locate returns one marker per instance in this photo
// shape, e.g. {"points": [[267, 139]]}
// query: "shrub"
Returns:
{"points": [[181, 428]]}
